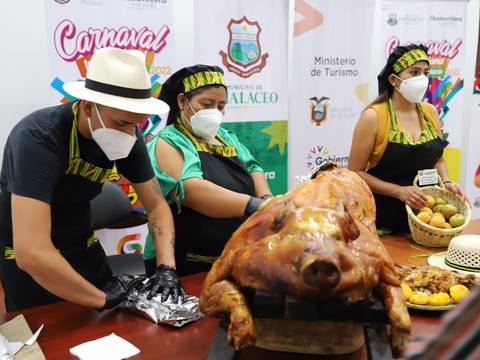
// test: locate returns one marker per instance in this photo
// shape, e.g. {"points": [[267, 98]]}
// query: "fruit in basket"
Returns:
{"points": [[430, 200], [458, 292], [437, 221], [457, 220], [427, 210], [406, 290], [424, 217], [419, 299], [448, 210], [437, 208], [439, 201], [439, 299], [448, 226]]}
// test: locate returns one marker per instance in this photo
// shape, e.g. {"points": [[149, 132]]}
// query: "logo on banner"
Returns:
{"points": [[392, 19], [319, 110], [317, 155], [62, 2], [129, 244], [244, 56]]}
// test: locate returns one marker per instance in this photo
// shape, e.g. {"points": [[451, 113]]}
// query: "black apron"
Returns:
{"points": [[400, 164], [199, 238], [77, 244]]}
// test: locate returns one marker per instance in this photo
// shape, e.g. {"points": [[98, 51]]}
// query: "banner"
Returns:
{"points": [[440, 25], [123, 241], [473, 166], [248, 39], [329, 80]]}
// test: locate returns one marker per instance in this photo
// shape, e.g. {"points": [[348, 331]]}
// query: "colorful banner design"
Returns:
{"points": [[123, 241], [440, 25], [248, 39], [329, 81], [472, 185], [267, 141]]}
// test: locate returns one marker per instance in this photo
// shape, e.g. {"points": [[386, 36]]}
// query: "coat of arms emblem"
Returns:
{"points": [[244, 56]]}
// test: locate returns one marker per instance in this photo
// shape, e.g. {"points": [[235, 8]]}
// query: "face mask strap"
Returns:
{"points": [[99, 117], [188, 102]]}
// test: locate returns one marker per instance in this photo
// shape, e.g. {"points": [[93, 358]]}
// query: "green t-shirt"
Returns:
{"points": [[192, 168]]}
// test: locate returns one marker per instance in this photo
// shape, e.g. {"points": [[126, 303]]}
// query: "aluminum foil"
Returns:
{"points": [[166, 312]]}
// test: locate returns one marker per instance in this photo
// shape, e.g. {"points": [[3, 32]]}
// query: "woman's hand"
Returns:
{"points": [[412, 196], [454, 188]]}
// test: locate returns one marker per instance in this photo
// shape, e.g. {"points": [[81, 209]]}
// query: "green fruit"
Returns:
{"points": [[448, 210], [437, 208], [457, 220], [440, 201]]}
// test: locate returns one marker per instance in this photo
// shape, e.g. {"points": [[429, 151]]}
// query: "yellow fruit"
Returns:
{"points": [[419, 299], [438, 221], [458, 292], [448, 210], [439, 299], [448, 226], [440, 201], [457, 220], [438, 214], [426, 209], [430, 201], [407, 290], [424, 217]]}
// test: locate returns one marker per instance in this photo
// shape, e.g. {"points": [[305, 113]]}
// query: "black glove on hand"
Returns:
{"points": [[118, 288], [252, 205], [166, 282]]}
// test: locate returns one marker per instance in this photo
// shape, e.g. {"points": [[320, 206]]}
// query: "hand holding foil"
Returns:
{"points": [[118, 288], [165, 282]]}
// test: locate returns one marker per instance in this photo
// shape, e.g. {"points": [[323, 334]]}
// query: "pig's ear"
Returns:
{"points": [[348, 226]]}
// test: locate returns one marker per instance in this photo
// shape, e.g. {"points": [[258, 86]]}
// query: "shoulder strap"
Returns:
{"points": [[383, 128], [431, 115]]}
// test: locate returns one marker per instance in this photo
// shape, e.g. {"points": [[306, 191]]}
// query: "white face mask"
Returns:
{"points": [[205, 122], [413, 89], [114, 143]]}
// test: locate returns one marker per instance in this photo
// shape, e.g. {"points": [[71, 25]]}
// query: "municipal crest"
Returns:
{"points": [[244, 56]]}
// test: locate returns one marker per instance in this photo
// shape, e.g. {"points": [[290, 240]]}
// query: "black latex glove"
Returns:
{"points": [[166, 282], [252, 205], [118, 289]]}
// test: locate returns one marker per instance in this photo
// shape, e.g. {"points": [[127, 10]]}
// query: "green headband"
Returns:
{"points": [[409, 58], [203, 78]]}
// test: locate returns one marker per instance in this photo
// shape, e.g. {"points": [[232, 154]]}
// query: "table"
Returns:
{"points": [[67, 324]]}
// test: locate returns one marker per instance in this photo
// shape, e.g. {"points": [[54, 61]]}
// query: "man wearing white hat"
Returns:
{"points": [[55, 161]]}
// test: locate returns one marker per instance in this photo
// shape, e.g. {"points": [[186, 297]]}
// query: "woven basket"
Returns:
{"points": [[427, 235]]}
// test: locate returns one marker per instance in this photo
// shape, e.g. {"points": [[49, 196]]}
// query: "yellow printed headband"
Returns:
{"points": [[409, 58]]}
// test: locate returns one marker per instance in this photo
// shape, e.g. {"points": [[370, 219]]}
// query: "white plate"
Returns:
{"points": [[430, 307]]}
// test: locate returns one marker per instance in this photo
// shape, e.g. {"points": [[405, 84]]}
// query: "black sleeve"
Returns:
{"points": [[34, 166], [137, 167]]}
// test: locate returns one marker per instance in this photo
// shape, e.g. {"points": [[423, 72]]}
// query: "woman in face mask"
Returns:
{"points": [[210, 179], [398, 135]]}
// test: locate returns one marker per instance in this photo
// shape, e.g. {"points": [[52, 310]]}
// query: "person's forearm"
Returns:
{"points": [[212, 200], [442, 169], [378, 186], [50, 269], [161, 227], [261, 184]]}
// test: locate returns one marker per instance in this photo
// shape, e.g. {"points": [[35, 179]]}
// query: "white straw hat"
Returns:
{"points": [[463, 255], [119, 79]]}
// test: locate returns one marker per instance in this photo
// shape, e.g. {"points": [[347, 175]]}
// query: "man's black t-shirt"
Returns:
{"points": [[35, 160]]}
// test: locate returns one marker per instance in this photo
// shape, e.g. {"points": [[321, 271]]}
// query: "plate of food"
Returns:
{"points": [[434, 289]]}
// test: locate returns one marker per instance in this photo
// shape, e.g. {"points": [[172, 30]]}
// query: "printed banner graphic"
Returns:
{"points": [[329, 81], [248, 39]]}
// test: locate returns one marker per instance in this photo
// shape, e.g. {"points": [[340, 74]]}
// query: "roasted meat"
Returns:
{"points": [[318, 242], [434, 278]]}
